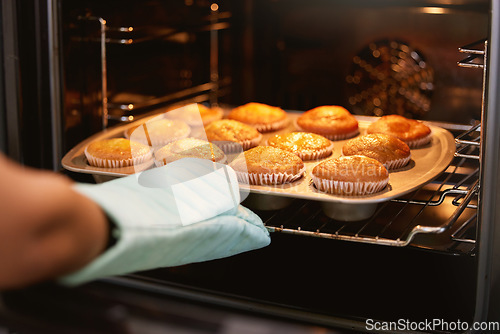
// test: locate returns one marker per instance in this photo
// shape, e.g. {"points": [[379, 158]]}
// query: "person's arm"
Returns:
{"points": [[46, 228]]}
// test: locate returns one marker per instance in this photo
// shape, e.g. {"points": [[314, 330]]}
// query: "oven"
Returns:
{"points": [[75, 69]]}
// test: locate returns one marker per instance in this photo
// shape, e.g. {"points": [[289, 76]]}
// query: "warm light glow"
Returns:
{"points": [[130, 106], [130, 28], [434, 10], [214, 7], [131, 118]]}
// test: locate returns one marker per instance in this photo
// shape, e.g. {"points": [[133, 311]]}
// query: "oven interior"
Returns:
{"points": [[416, 257]]}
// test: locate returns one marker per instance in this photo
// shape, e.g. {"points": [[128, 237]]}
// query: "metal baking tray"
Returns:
{"points": [[425, 165]]}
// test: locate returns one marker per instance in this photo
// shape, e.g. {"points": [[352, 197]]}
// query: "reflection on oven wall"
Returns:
{"points": [[155, 53], [293, 54], [304, 51]]}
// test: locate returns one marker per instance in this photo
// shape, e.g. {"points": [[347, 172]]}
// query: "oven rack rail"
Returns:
{"points": [[476, 54], [208, 91], [400, 221], [316, 224], [128, 35], [458, 228]]}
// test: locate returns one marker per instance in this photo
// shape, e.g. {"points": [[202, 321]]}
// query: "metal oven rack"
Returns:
{"points": [[446, 208], [208, 91]]}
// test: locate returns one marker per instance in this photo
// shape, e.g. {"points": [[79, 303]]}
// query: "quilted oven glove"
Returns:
{"points": [[187, 211]]}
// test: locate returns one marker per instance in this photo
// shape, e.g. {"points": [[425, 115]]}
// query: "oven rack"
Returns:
{"points": [[476, 54], [403, 221], [126, 110], [390, 225], [128, 35]]}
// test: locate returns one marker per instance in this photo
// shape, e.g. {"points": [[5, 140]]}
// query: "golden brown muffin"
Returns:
{"points": [[354, 175], [188, 148], [158, 132], [414, 133], [261, 116], [268, 165], [307, 146], [209, 115], [116, 152], [332, 122], [389, 150], [232, 136], [195, 114]]}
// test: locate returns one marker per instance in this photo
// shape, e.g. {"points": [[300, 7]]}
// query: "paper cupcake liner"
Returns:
{"points": [[111, 163], [163, 162], [271, 126], [268, 178], [419, 142], [313, 155], [349, 188], [397, 163], [236, 147], [157, 141], [340, 136]]}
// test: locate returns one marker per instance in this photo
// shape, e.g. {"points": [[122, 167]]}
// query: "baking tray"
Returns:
{"points": [[426, 164]]}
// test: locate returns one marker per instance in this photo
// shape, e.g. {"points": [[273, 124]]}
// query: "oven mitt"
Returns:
{"points": [[187, 211]]}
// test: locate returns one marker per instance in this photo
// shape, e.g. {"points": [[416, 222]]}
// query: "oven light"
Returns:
{"points": [[434, 10]]}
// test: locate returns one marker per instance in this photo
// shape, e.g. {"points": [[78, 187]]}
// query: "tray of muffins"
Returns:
{"points": [[349, 163]]}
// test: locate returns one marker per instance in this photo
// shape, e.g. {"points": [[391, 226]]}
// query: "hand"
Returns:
{"points": [[191, 215]]}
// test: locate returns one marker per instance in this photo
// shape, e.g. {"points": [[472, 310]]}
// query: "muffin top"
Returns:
{"points": [[354, 168], [195, 114], [117, 149], [328, 120], [189, 148], [257, 113], [380, 147], [268, 160], [400, 127], [230, 130], [163, 130], [299, 142], [209, 114]]}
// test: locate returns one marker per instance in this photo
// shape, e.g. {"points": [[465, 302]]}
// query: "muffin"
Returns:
{"points": [[188, 148], [332, 122], [261, 116], [209, 115], [355, 175], [414, 133], [389, 150], [116, 152], [266, 165], [307, 146], [232, 136], [195, 114], [158, 132]]}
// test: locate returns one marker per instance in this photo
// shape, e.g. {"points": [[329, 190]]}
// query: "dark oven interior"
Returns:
{"points": [[374, 58]]}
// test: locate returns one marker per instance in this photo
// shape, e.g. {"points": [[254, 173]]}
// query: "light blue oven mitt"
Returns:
{"points": [[187, 211]]}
